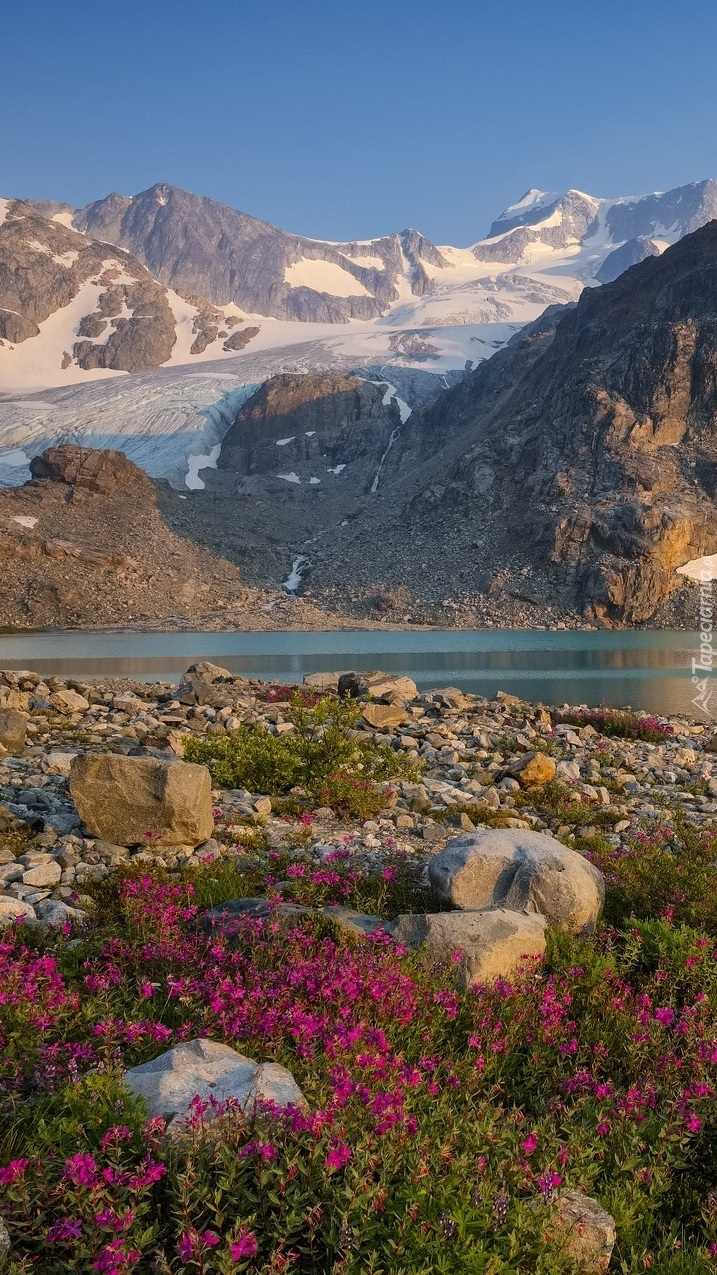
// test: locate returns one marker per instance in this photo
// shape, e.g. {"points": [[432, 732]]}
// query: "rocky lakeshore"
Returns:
{"points": [[497, 763], [279, 1025]]}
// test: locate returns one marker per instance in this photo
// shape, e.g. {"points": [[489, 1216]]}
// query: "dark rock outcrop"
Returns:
{"points": [[313, 422], [93, 469]]}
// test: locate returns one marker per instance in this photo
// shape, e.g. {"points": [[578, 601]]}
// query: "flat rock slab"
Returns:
{"points": [[208, 1069], [382, 715], [493, 943], [520, 870], [228, 918], [131, 800]]}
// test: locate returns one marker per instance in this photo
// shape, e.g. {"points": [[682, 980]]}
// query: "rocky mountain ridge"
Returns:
{"points": [[198, 277], [69, 303], [580, 464]]}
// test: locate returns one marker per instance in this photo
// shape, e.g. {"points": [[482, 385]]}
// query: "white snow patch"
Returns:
{"points": [[64, 219], [337, 469], [66, 259], [195, 463], [282, 442], [290, 478], [309, 433], [371, 263], [313, 482], [324, 276], [702, 569], [25, 521]]}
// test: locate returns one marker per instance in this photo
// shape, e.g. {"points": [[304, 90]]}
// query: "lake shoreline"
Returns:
{"points": [[643, 669]]}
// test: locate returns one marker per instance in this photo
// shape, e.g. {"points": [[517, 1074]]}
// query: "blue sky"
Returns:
{"points": [[339, 120]]}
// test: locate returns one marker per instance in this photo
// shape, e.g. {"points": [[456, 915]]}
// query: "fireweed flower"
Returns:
{"points": [[246, 1245], [338, 1156], [65, 1230], [13, 1171]]}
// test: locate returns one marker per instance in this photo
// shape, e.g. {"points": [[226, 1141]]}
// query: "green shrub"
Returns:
{"points": [[557, 801], [321, 755]]}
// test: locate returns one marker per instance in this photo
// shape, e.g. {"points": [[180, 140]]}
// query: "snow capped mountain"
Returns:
{"points": [[74, 308], [198, 301]]}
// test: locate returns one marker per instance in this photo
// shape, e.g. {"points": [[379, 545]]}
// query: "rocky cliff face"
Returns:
{"points": [[108, 312], [201, 246], [312, 426], [123, 317], [582, 460]]}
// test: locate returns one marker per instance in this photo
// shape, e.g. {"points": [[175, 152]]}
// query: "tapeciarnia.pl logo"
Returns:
{"points": [[703, 665]]}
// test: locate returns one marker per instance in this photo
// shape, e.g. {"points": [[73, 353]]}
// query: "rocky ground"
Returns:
{"points": [[85, 545], [498, 763], [507, 833]]}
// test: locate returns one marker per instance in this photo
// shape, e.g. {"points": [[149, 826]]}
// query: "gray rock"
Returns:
{"points": [[209, 1069], [587, 1231], [13, 729], [522, 871], [42, 874], [126, 800], [4, 1244], [13, 909], [494, 943], [54, 912], [58, 763]]}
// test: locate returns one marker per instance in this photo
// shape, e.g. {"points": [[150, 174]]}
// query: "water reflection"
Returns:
{"points": [[649, 670]]}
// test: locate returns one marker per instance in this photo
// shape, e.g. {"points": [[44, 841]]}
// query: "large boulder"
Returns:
{"points": [[13, 728], [584, 1230], [521, 870], [68, 702], [532, 770], [493, 943], [94, 469], [129, 800], [388, 687], [209, 672], [210, 1070]]}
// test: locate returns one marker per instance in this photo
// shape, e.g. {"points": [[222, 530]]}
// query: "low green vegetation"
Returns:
{"points": [[324, 756]]}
